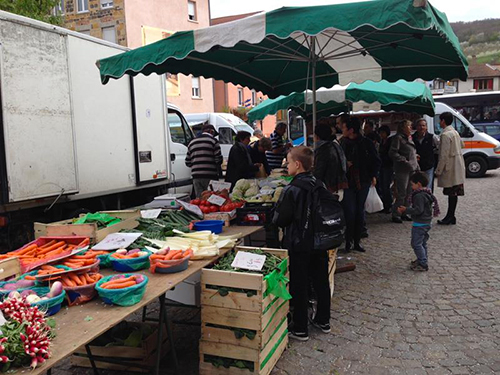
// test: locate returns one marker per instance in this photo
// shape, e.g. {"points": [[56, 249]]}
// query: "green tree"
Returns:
{"points": [[42, 10]]}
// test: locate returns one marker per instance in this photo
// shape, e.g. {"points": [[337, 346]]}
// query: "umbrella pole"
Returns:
{"points": [[314, 107]]}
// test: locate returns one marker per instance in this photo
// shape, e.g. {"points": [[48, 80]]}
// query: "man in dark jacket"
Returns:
{"points": [[258, 150], [329, 159], [363, 165], [427, 148], [290, 214], [386, 171], [239, 163]]}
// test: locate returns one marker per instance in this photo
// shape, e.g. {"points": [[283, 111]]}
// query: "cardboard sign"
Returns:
{"points": [[190, 207], [219, 185], [150, 214], [115, 241], [248, 261], [217, 200]]}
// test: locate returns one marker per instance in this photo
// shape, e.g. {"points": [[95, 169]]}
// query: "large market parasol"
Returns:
{"points": [[295, 48], [401, 96]]}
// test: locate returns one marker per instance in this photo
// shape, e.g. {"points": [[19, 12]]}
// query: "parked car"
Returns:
{"points": [[490, 128]]}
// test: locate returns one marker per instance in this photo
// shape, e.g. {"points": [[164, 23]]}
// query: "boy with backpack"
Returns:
{"points": [[424, 206], [308, 233]]}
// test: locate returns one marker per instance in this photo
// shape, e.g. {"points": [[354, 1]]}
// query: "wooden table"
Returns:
{"points": [[79, 325]]}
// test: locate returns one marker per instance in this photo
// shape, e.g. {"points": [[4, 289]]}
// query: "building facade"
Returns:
{"points": [[238, 99], [134, 23], [482, 78]]}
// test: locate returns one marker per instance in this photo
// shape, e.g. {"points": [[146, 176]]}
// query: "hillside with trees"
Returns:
{"points": [[480, 39]]}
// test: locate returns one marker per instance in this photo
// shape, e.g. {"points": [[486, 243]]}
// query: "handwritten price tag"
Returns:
{"points": [[248, 261], [219, 185], [150, 214], [115, 241], [190, 207], [217, 200]]}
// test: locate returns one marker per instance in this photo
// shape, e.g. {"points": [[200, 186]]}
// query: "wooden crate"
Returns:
{"points": [[144, 356], [10, 268], [226, 217], [332, 266], [260, 313], [67, 228], [263, 360]]}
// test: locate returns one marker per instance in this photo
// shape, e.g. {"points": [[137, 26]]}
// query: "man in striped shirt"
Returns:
{"points": [[204, 157], [278, 151]]}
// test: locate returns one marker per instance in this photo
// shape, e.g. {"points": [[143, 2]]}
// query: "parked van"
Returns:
{"points": [[226, 124], [481, 152]]}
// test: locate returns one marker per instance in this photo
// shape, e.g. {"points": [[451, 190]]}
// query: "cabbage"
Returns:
{"points": [[254, 190], [242, 185], [277, 194]]}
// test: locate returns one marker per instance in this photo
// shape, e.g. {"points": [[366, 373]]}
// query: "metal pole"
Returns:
{"points": [[313, 62]]}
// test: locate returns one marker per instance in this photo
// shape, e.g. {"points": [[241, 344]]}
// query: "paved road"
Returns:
{"points": [[387, 319]]}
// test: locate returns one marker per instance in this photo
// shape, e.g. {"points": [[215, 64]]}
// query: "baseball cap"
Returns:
{"points": [[208, 127]]}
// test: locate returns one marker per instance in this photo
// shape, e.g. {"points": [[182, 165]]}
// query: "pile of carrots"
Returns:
{"points": [[72, 280], [121, 256], [120, 283], [171, 255], [46, 270], [52, 249], [87, 259]]}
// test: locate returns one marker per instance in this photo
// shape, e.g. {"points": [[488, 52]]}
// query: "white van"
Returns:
{"points": [[226, 124], [481, 152]]}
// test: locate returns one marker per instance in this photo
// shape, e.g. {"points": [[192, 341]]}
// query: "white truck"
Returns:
{"points": [[69, 143]]}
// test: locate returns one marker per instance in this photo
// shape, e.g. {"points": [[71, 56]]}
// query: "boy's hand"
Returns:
{"points": [[401, 209]]}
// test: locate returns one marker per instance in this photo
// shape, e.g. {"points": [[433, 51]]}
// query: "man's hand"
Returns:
{"points": [[401, 209], [258, 165], [349, 164], [418, 157], [374, 181]]}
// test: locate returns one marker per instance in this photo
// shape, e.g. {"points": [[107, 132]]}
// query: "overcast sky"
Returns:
{"points": [[456, 10]]}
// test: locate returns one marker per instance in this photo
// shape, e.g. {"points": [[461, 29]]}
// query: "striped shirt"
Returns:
{"points": [[204, 157], [275, 160]]}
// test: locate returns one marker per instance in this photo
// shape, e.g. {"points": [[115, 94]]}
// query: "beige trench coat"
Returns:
{"points": [[451, 166]]}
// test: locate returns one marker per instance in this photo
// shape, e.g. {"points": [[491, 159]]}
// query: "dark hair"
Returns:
{"points": [[354, 124], [447, 117], [323, 131], [242, 135], [384, 129], [344, 119], [419, 177], [304, 155], [280, 125], [370, 123]]}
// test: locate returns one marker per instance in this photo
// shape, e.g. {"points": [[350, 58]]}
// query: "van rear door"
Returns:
{"points": [[180, 136]]}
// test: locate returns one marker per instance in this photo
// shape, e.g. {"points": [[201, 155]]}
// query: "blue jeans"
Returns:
{"points": [[419, 238], [430, 175], [354, 211]]}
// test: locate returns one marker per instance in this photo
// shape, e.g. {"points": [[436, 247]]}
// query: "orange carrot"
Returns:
{"points": [[48, 244], [120, 285], [75, 279]]}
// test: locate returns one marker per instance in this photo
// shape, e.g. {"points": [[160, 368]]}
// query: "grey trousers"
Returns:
{"points": [[200, 185], [403, 191]]}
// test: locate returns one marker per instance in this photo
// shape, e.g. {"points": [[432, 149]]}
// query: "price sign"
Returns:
{"points": [[248, 261], [266, 191], [190, 207], [115, 241], [150, 214], [217, 200], [219, 185]]}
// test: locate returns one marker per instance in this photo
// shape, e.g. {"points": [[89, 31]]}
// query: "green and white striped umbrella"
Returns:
{"points": [[401, 96], [280, 52]]}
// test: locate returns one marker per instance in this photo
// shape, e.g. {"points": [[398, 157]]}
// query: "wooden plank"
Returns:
{"points": [[231, 279], [130, 223], [233, 300], [227, 336], [75, 319], [269, 314], [10, 267], [274, 324], [272, 342], [231, 318], [229, 351], [280, 253], [266, 370], [85, 230]]}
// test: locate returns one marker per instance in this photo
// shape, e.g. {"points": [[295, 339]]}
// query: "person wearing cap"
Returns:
{"points": [[204, 157]]}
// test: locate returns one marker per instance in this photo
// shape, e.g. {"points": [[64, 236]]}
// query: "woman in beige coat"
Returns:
{"points": [[451, 166]]}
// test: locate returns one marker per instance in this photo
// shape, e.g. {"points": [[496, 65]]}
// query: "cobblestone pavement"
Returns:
{"points": [[387, 319]]}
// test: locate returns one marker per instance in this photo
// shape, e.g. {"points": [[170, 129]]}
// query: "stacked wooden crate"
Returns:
{"points": [[246, 327]]}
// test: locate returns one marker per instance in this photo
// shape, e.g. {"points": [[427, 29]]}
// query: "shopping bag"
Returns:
{"points": [[373, 202]]}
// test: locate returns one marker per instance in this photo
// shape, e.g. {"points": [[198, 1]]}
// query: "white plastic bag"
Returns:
{"points": [[373, 202]]}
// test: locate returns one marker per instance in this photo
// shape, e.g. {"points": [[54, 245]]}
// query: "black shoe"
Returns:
{"points": [[359, 248], [301, 336], [348, 247], [364, 235], [387, 210], [406, 218], [325, 328], [419, 267], [396, 219], [448, 221]]}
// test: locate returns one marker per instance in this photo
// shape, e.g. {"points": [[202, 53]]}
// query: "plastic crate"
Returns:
{"points": [[255, 214]]}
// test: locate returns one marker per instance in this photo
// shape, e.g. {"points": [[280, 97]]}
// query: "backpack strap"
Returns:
{"points": [[309, 187]]}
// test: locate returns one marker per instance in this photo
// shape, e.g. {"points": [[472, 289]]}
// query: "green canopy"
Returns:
{"points": [[401, 96], [294, 48]]}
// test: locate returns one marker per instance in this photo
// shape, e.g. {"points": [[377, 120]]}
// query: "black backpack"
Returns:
{"points": [[324, 218]]}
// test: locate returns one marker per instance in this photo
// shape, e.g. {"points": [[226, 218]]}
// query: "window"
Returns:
{"points": [[106, 4], [179, 129], [226, 136], [83, 5], [254, 98], [240, 97], [493, 130], [438, 84], [192, 10], [109, 34], [483, 84], [195, 87], [459, 126]]}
